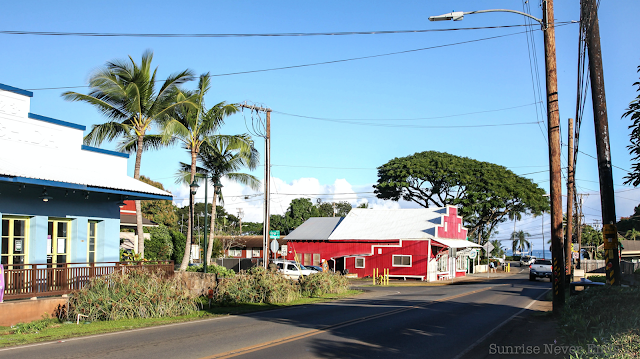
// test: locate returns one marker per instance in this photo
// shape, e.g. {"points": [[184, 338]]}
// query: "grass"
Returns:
{"points": [[605, 317], [52, 330]]}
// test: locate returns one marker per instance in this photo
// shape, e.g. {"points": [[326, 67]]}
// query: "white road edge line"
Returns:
{"points": [[113, 333], [472, 346]]}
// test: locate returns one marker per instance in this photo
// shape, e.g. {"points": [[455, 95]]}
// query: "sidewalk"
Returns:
{"points": [[468, 278]]}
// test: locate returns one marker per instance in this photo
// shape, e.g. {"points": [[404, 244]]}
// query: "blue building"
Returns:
{"points": [[59, 199]]}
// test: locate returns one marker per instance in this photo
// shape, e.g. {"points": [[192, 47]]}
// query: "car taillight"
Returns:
{"points": [[529, 266]]}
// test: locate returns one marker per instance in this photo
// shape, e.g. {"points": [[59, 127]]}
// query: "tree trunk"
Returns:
{"points": [[136, 175], [211, 231], [187, 250]]}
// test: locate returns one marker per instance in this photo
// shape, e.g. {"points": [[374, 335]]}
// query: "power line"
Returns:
{"points": [[320, 63], [276, 34]]}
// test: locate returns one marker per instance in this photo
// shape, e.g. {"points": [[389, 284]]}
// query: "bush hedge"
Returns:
{"points": [[256, 285], [132, 294], [221, 271]]}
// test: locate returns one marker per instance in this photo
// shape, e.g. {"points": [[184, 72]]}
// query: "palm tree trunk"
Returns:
{"points": [[213, 223], [187, 250], [136, 175]]}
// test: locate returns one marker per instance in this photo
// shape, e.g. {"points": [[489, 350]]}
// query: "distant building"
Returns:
{"points": [[59, 199], [428, 244]]}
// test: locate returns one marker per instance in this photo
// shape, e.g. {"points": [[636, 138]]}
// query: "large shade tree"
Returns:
{"points": [[486, 194], [192, 125], [125, 92]]}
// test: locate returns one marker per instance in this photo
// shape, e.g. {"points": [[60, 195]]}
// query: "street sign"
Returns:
{"points": [[274, 234], [473, 254], [274, 246], [488, 247]]}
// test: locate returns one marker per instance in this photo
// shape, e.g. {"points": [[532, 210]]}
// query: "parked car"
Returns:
{"points": [[541, 268], [308, 270], [292, 269], [317, 268], [527, 260]]}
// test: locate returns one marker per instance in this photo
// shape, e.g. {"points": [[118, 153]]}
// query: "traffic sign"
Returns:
{"points": [[274, 246], [274, 234]]}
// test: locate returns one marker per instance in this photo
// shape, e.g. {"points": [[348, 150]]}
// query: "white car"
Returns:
{"points": [[292, 269], [527, 260]]}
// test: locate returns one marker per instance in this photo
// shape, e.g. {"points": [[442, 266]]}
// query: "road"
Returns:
{"points": [[385, 322]]}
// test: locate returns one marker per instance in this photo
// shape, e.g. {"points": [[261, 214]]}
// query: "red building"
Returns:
{"points": [[428, 244]]}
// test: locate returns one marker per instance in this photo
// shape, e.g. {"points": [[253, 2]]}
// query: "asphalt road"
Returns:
{"points": [[385, 322]]}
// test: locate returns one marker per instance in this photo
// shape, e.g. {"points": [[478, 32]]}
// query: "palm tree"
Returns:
{"points": [[498, 250], [193, 125], [519, 241], [125, 92], [221, 157], [632, 234]]}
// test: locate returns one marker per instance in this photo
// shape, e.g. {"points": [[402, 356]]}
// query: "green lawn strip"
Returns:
{"points": [[603, 322], [60, 331]]}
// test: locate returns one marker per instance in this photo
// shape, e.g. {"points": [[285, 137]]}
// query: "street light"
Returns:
{"points": [[193, 188], [553, 116], [459, 15]]}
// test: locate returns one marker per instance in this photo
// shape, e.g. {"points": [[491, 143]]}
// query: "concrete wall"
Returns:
{"points": [[23, 311]]}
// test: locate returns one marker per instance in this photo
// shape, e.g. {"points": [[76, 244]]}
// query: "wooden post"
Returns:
{"points": [[607, 195], [570, 196], [555, 169]]}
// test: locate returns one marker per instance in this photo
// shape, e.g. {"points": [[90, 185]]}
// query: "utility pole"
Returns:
{"points": [[570, 194], [579, 234], [607, 199], [240, 215], [555, 169], [267, 176]]}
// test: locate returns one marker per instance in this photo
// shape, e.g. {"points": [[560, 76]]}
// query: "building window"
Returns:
{"points": [[316, 259], [402, 261], [14, 241], [359, 262], [58, 241], [306, 259], [442, 263], [461, 263], [235, 252], [92, 234]]}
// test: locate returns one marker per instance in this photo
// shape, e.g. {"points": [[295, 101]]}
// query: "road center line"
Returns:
{"points": [[310, 333]]}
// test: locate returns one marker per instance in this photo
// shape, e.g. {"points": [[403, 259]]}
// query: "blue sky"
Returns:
{"points": [[489, 78]]}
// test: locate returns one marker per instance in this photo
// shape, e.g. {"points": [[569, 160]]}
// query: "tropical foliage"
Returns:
{"points": [[125, 92], [192, 124], [487, 194], [633, 113], [519, 241]]}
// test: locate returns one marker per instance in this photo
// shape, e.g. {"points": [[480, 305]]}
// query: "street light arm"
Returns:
{"points": [[507, 10], [459, 15]]}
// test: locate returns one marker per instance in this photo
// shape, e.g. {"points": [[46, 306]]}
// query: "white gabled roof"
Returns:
{"points": [[457, 243], [384, 224], [91, 177]]}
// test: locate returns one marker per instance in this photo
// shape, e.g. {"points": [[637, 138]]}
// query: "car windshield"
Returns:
{"points": [[543, 261]]}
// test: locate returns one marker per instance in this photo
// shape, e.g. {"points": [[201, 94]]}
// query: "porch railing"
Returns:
{"points": [[39, 280]]}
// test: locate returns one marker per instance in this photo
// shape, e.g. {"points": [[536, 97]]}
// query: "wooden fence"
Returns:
{"points": [[592, 265], [628, 267], [39, 280]]}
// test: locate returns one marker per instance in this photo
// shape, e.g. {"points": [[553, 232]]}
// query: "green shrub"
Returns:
{"points": [[179, 242], [598, 278], [131, 294], [321, 283], [637, 271], [256, 286], [33, 327], [221, 271], [160, 245]]}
